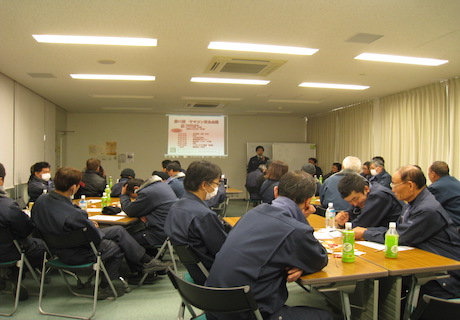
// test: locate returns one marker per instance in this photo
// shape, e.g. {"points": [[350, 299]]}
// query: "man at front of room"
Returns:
{"points": [[258, 159], [424, 224], [40, 179], [269, 246]]}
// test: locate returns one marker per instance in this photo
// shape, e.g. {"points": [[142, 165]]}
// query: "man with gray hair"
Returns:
{"points": [[379, 174], [311, 169], [329, 191]]}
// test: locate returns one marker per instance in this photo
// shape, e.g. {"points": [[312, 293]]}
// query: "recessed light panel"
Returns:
{"points": [[112, 77], [332, 86], [230, 81], [400, 59], [251, 47], [111, 41]]}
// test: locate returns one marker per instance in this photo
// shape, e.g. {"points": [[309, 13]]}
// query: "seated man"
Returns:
{"points": [[379, 174], [125, 175], [318, 170], [56, 214], [219, 198], [446, 189], [424, 224], [310, 169], [40, 179], [329, 191], [93, 181], [252, 181], [19, 224], [190, 221], [373, 205], [176, 178], [270, 246], [152, 204]]}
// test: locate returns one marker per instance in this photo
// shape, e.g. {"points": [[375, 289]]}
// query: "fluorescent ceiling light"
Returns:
{"points": [[111, 77], [119, 96], [114, 41], [251, 47], [400, 59], [230, 81], [332, 86]]}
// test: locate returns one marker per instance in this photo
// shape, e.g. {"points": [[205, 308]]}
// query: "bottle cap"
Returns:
{"points": [[348, 226], [104, 194], [330, 204], [83, 197], [392, 225], [106, 185]]}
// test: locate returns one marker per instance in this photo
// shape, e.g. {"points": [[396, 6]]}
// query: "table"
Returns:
{"points": [[233, 193], [94, 206]]}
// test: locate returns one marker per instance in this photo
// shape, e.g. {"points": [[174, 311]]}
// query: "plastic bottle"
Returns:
{"points": [[83, 203], [320, 179], [348, 243], [45, 191], [110, 182], [330, 216], [104, 202], [107, 194], [391, 241]]}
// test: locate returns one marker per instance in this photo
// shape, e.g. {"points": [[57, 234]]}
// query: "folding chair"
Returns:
{"points": [[215, 300], [436, 308], [221, 209], [161, 252], [75, 239], [188, 258]]}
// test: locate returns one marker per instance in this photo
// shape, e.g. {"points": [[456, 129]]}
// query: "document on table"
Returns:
{"points": [[94, 210], [327, 234], [101, 217], [94, 201], [379, 246]]}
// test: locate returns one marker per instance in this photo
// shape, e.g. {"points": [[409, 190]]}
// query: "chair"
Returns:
{"points": [[431, 307], [216, 300], [161, 252], [75, 239], [221, 209]]}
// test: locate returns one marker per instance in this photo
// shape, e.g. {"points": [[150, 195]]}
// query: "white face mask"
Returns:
{"points": [[46, 176], [209, 195], [374, 172]]}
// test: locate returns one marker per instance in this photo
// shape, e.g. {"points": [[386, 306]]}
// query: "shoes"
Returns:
{"points": [[156, 265], [150, 279], [107, 293]]}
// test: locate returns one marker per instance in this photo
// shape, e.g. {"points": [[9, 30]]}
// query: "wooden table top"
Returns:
{"points": [[95, 209], [231, 220], [233, 190]]}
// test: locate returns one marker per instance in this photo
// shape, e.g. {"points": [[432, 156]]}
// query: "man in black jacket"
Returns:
{"points": [[93, 181]]}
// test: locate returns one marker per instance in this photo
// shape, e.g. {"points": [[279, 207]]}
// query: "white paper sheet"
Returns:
{"points": [[94, 210], [94, 201], [105, 217], [379, 246]]}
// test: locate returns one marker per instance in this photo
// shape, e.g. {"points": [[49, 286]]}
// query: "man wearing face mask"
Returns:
{"points": [[152, 204], [191, 222], [56, 214], [40, 179], [379, 174]]}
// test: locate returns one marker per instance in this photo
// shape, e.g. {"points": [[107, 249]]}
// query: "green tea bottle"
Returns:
{"points": [[391, 241], [104, 202], [107, 194], [348, 243]]}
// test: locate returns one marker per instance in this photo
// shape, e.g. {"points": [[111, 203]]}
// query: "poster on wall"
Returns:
{"points": [[196, 136]]}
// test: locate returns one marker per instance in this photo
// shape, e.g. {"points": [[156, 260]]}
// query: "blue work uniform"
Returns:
{"points": [[447, 191], [383, 178], [35, 187], [425, 224], [116, 188], [330, 193], [177, 184], [266, 190], [191, 222], [381, 207], [154, 199], [257, 251]]}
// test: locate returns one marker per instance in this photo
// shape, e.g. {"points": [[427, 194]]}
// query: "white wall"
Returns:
{"points": [[146, 136]]}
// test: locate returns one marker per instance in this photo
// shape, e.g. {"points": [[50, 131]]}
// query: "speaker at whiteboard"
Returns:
{"points": [[295, 154]]}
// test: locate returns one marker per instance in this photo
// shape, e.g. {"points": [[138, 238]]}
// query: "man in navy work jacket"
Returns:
{"points": [[125, 175], [55, 213], [191, 222], [152, 204], [176, 178], [446, 189], [270, 246], [379, 174], [424, 224], [373, 204], [39, 180]]}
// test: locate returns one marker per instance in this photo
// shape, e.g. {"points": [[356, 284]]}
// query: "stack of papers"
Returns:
{"points": [[327, 234], [101, 217], [379, 246]]}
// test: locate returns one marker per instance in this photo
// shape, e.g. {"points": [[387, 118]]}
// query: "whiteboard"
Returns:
{"points": [[295, 154]]}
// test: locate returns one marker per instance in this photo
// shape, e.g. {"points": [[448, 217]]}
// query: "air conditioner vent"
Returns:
{"points": [[225, 65], [204, 105]]}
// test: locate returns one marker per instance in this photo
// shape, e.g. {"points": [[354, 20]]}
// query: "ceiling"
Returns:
{"points": [[420, 28]]}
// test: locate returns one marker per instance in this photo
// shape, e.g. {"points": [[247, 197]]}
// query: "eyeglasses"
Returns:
{"points": [[212, 183], [394, 185]]}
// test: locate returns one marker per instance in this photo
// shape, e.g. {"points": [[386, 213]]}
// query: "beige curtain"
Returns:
{"points": [[414, 127], [321, 130], [454, 132]]}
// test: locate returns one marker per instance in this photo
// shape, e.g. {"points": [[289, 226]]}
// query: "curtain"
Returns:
{"points": [[454, 132]]}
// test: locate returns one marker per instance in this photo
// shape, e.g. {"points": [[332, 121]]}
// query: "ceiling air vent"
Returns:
{"points": [[204, 105], [41, 75], [225, 65]]}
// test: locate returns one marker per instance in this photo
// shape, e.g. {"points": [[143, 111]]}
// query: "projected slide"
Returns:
{"points": [[196, 135]]}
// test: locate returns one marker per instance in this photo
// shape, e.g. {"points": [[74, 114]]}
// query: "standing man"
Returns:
{"points": [[379, 174], [40, 179], [446, 189], [373, 204], [257, 160], [269, 247], [424, 224]]}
